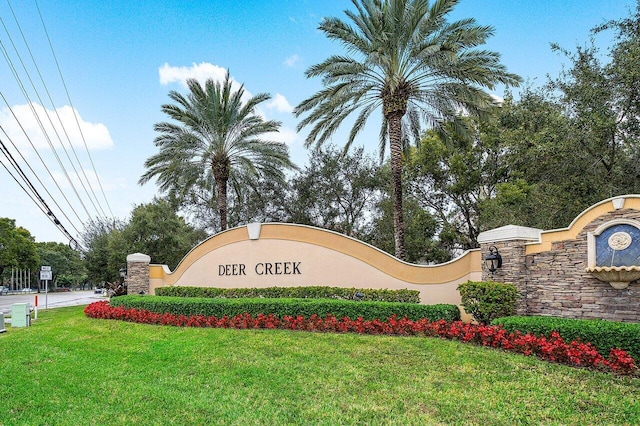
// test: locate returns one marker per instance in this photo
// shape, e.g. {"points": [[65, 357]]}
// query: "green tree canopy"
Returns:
{"points": [[106, 253], [156, 229], [452, 178], [67, 265], [336, 191], [575, 141], [17, 247]]}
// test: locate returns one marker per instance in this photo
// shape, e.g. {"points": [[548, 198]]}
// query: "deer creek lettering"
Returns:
{"points": [[262, 268]]}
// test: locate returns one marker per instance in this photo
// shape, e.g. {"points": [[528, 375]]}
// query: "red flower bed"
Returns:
{"points": [[552, 349]]}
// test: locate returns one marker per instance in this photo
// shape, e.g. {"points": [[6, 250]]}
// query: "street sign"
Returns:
{"points": [[46, 275], [45, 268]]}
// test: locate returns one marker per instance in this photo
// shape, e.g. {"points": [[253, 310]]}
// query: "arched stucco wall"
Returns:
{"points": [[588, 216], [298, 255]]}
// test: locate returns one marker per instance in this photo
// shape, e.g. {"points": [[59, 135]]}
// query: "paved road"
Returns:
{"points": [[52, 300]]}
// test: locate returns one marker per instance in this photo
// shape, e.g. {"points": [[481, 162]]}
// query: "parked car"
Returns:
{"points": [[4, 290]]}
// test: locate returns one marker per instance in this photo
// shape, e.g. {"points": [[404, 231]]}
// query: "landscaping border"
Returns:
{"points": [[553, 349]]}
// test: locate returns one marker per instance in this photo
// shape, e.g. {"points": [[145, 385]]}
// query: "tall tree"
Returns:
{"points": [[603, 101], [106, 253], [17, 247], [405, 58], [337, 192], [66, 264], [422, 245], [452, 180], [216, 137], [575, 141], [252, 199], [156, 229], [551, 178]]}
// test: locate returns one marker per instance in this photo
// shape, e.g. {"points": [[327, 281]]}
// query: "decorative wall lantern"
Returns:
{"points": [[493, 260], [123, 273]]}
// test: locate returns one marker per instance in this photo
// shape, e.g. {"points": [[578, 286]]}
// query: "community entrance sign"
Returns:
{"points": [[288, 255], [591, 269]]}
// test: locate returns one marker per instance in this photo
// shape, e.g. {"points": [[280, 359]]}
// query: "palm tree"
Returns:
{"points": [[405, 57], [216, 138]]}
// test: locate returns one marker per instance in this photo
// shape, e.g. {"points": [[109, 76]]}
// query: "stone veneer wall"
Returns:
{"points": [[138, 273], [558, 285], [513, 268], [555, 283]]}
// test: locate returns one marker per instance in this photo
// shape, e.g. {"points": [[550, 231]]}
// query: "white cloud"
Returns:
{"points": [[292, 60], [201, 72], [497, 99], [280, 104], [286, 135], [58, 124]]}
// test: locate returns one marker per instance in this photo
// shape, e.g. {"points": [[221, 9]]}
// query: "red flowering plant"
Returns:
{"points": [[553, 349]]}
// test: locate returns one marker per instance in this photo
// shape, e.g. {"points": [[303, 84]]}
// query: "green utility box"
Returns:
{"points": [[2, 329], [20, 315]]}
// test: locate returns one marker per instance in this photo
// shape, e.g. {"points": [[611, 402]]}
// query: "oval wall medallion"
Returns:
{"points": [[619, 240]]}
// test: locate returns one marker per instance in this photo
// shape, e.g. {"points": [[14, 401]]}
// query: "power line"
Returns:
{"points": [[31, 142], [64, 84], [38, 199], [37, 116], [55, 110], [18, 174], [16, 166]]}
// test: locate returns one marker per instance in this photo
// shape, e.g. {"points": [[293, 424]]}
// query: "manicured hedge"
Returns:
{"points": [[283, 307], [488, 300], [314, 292], [604, 335]]}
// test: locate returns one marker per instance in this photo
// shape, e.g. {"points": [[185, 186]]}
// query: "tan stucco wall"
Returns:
{"points": [[321, 258], [547, 238]]}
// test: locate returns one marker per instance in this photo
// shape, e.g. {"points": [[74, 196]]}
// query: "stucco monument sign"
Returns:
{"points": [[591, 269], [288, 255]]}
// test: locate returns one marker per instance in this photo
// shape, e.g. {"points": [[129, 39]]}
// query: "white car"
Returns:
{"points": [[4, 290]]}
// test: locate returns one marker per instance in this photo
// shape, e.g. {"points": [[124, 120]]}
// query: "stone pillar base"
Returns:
{"points": [[138, 273]]}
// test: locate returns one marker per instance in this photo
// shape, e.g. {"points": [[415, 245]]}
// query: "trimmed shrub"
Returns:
{"points": [[487, 300], [604, 335], [313, 292], [287, 307]]}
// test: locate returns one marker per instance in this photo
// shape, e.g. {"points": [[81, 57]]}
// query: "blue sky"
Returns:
{"points": [[119, 60]]}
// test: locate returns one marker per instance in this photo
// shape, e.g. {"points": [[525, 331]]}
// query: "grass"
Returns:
{"points": [[70, 370]]}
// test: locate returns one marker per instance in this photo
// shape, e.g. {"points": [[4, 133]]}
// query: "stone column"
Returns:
{"points": [[138, 273], [511, 244]]}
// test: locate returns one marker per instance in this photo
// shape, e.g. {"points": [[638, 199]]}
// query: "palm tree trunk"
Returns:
{"points": [[221, 187], [395, 145]]}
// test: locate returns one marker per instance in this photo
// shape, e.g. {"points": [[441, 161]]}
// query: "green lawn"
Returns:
{"points": [[70, 370]]}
